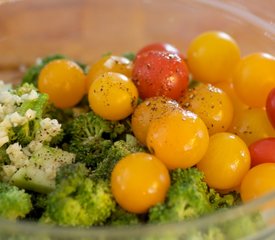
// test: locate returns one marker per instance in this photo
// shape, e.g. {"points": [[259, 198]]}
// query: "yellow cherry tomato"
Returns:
{"points": [[228, 87], [226, 161], [212, 57], [113, 96], [179, 139], [211, 104], [147, 111], [64, 81], [139, 181], [252, 125], [254, 78], [109, 63], [258, 181]]}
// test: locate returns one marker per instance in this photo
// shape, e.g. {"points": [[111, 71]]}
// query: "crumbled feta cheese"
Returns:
{"points": [[9, 171], [16, 119], [4, 140], [30, 96], [33, 146], [30, 114], [17, 156], [49, 129]]}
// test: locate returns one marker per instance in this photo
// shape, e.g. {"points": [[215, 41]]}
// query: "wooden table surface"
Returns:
{"points": [[29, 30]]}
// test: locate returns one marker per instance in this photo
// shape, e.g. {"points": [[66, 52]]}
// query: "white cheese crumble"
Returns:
{"points": [[49, 129], [17, 156]]}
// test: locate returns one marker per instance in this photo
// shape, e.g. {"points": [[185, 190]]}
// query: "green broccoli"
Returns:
{"points": [[90, 137], [187, 198], [120, 217], [119, 149], [14, 203], [78, 200]]}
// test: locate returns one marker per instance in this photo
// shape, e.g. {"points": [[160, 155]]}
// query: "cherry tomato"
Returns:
{"points": [[252, 125], [270, 107], [211, 104], [212, 57], [254, 78], [64, 81], [160, 74], [179, 139], [109, 63], [262, 151], [258, 181], [139, 181], [147, 111], [226, 161], [113, 96], [228, 87], [162, 47]]}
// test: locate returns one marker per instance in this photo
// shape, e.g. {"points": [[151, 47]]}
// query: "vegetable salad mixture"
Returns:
{"points": [[152, 137]]}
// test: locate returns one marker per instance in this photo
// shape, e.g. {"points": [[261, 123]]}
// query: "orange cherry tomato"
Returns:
{"points": [[179, 139], [211, 104], [254, 78], [109, 63], [147, 111], [113, 96], [64, 81], [258, 181], [139, 181], [226, 161]]}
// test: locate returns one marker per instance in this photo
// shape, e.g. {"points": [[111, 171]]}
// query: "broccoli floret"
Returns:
{"points": [[242, 226], [224, 201], [35, 170], [14, 203], [119, 149], [39, 203], [90, 137], [120, 217], [187, 198], [22, 119], [78, 200]]}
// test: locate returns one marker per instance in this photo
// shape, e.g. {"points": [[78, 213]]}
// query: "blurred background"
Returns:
{"points": [[35, 28]]}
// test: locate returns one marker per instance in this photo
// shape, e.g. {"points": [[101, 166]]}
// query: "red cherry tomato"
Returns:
{"points": [[162, 47], [270, 107], [262, 151], [160, 74]]}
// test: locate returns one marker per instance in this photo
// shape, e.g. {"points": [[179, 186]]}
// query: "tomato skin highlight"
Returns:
{"points": [[262, 151], [161, 47], [258, 181], [139, 181], [110, 63], [160, 74], [270, 107]]}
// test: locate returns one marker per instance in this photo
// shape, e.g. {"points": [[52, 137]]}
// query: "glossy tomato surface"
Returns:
{"points": [[139, 181], [262, 151], [160, 74], [161, 47], [258, 181], [270, 107]]}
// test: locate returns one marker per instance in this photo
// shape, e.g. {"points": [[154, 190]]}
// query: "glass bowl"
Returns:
{"points": [[86, 29]]}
